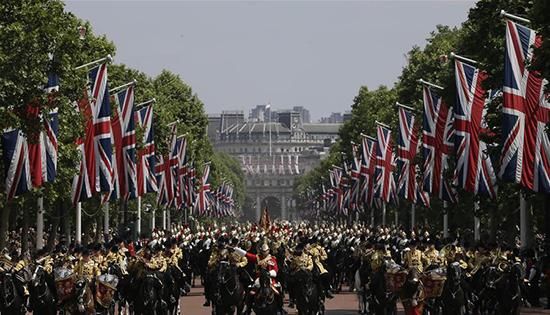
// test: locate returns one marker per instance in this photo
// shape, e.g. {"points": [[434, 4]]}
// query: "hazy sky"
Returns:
{"points": [[238, 54]]}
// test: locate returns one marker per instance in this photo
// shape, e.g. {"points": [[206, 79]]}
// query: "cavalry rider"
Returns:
{"points": [[412, 293], [86, 269], [319, 255], [413, 257], [264, 261], [431, 257], [300, 260]]}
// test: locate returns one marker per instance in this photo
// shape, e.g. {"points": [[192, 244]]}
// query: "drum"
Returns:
{"points": [[65, 281], [395, 280], [105, 289], [433, 284]]}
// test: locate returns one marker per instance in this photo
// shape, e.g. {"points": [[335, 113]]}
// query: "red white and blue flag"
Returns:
{"points": [[368, 167], [96, 171], [407, 146], [474, 170], [181, 172], [355, 177], [204, 189], [163, 170], [525, 157], [438, 143], [146, 178], [124, 136], [16, 163], [384, 180]]}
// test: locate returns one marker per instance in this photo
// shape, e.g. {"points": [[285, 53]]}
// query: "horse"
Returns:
{"points": [[171, 289], [148, 298], [508, 288], [265, 299], [229, 294], [42, 292], [121, 295], [361, 284], [11, 294], [453, 298], [308, 299], [383, 302]]}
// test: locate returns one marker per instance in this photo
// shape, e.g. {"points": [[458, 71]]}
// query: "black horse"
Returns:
{"points": [[11, 294], [453, 298], [383, 302], [121, 295], [487, 298], [42, 292], [148, 298], [229, 295], [265, 298], [508, 288], [361, 283], [308, 299], [171, 288]]}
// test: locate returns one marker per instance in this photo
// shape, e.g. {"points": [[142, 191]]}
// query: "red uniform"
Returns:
{"points": [[269, 263]]}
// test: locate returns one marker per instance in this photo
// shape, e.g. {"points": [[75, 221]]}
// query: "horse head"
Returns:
{"points": [[38, 277]]}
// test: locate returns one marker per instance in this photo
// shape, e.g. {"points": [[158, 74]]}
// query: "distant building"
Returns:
{"points": [[272, 154], [260, 113], [304, 113], [230, 118], [334, 118]]}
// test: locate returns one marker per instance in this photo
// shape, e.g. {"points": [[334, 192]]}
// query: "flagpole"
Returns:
{"points": [[78, 236], [413, 215], [445, 220], [108, 58], [106, 221], [153, 219], [430, 84], [514, 17], [118, 88], [153, 100], [138, 221], [523, 219], [164, 218], [477, 222], [383, 212], [40, 224], [452, 55]]}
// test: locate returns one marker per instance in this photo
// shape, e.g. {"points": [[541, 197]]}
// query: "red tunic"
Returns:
{"points": [[269, 263]]}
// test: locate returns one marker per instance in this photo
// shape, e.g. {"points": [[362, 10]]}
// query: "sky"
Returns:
{"points": [[237, 54]]}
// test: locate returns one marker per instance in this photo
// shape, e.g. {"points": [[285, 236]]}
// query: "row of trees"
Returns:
{"points": [[481, 37], [38, 37]]}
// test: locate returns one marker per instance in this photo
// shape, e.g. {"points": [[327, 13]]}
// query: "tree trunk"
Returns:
{"points": [[57, 213], [25, 231], [66, 223], [4, 223]]}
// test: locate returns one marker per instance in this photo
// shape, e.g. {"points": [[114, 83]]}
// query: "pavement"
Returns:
{"points": [[344, 303]]}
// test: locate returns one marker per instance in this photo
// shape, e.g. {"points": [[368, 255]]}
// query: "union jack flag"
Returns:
{"points": [[96, 145], [474, 170], [368, 167], [181, 171], [525, 157], [164, 181], [16, 163], [190, 186], [437, 142], [355, 177], [385, 160], [43, 150], [146, 179], [407, 145], [204, 189], [124, 136]]}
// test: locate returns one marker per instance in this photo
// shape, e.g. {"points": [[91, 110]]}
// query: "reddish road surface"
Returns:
{"points": [[342, 304]]}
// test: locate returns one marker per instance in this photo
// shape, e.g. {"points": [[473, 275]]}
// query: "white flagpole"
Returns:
{"points": [[138, 221], [153, 219], [40, 224], [78, 223], [164, 218], [413, 215], [383, 213], [477, 223], [522, 219], [445, 220], [106, 220]]}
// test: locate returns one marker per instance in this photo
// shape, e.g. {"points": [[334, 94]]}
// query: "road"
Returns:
{"points": [[343, 304]]}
